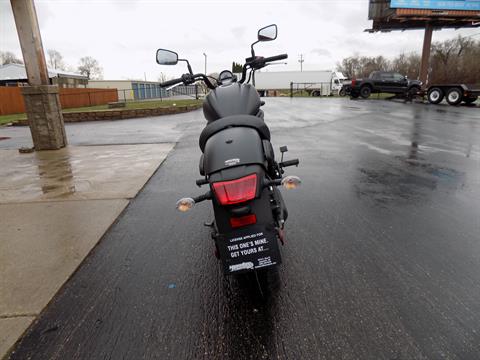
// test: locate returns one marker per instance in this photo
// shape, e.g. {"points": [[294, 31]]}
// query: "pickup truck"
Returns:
{"points": [[382, 81]]}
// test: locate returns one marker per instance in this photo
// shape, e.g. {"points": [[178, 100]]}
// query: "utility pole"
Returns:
{"points": [[301, 60], [425, 63], [42, 102], [205, 63]]}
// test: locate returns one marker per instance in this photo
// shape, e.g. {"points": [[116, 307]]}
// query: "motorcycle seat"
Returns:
{"points": [[234, 121]]}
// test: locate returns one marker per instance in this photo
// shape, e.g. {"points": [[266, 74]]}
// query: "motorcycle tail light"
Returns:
{"points": [[236, 191], [237, 222]]}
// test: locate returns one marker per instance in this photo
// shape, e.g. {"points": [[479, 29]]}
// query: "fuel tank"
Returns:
{"points": [[232, 99]]}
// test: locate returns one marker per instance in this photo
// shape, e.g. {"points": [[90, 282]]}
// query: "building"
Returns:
{"points": [[16, 75], [140, 90]]}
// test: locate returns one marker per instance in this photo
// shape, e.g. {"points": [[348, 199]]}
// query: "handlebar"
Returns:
{"points": [[171, 82], [289, 163], [275, 58], [187, 79], [253, 62], [259, 62]]}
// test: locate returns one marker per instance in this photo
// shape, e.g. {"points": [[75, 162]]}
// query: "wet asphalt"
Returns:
{"points": [[382, 258]]}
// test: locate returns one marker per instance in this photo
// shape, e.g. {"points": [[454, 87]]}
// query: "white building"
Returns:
{"points": [[16, 75]]}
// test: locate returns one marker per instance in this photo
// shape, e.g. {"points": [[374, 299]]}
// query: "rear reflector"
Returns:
{"points": [[236, 191], [236, 222]]}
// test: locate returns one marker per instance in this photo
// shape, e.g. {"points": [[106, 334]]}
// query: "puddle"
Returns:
{"points": [[85, 172]]}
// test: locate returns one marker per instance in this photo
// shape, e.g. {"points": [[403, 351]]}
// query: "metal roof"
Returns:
{"points": [[18, 72]]}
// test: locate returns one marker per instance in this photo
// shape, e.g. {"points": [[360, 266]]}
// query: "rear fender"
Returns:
{"points": [[260, 206]]}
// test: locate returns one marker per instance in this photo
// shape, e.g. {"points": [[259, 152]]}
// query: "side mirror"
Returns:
{"points": [[268, 33], [167, 57]]}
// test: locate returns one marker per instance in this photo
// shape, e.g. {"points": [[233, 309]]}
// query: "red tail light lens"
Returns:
{"points": [[236, 191], [354, 82], [243, 221]]}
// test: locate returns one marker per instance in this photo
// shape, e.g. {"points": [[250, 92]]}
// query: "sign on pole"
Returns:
{"points": [[465, 5]]}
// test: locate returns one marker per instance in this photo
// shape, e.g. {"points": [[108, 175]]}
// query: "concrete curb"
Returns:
{"points": [[115, 114]]}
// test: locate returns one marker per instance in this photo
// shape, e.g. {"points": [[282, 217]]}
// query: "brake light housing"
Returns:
{"points": [[236, 222], [236, 191], [354, 81]]}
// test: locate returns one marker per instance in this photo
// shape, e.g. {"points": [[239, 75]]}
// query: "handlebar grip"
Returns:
{"points": [[276, 58], [290, 163], [171, 82]]}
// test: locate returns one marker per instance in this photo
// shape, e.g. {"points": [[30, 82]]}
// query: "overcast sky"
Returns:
{"points": [[124, 35]]}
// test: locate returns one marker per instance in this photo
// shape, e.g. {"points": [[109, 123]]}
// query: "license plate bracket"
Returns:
{"points": [[248, 249]]}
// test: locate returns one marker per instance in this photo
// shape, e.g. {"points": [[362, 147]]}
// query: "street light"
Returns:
{"points": [[205, 63]]}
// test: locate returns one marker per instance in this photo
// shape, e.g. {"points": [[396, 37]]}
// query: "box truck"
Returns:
{"points": [[316, 83]]}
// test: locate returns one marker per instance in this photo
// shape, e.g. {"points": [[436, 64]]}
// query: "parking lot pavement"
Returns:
{"points": [[152, 130], [382, 258]]}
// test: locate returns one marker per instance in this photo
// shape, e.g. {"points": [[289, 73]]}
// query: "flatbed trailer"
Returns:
{"points": [[455, 94]]}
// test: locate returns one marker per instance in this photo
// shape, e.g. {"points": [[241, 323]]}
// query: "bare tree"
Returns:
{"points": [[454, 60], [90, 68], [7, 57], [362, 66], [350, 66], [408, 65], [55, 60]]}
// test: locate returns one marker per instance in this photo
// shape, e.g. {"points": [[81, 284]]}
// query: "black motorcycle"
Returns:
{"points": [[239, 165]]}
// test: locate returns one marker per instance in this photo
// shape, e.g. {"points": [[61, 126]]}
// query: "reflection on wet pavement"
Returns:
{"points": [[408, 178], [74, 173]]}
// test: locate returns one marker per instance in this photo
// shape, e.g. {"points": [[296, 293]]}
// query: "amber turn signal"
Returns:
{"points": [[291, 182], [185, 204]]}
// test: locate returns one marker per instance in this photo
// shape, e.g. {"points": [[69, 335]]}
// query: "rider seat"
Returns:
{"points": [[234, 121]]}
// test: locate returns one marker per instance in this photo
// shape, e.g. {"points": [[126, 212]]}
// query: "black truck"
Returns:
{"points": [[382, 82]]}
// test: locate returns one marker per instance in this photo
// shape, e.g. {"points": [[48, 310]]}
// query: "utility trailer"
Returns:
{"points": [[453, 93]]}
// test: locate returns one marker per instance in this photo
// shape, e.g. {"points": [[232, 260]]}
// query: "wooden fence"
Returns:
{"points": [[11, 98]]}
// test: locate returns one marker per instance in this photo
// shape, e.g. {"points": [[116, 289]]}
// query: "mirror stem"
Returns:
{"points": [[253, 51], [188, 66]]}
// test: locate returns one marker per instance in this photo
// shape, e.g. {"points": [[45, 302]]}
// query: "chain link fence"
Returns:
{"points": [[310, 89]]}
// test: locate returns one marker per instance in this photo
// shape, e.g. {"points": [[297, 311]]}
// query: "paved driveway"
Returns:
{"points": [[382, 259]]}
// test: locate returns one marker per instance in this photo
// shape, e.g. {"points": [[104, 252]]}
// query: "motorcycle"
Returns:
{"points": [[238, 164]]}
